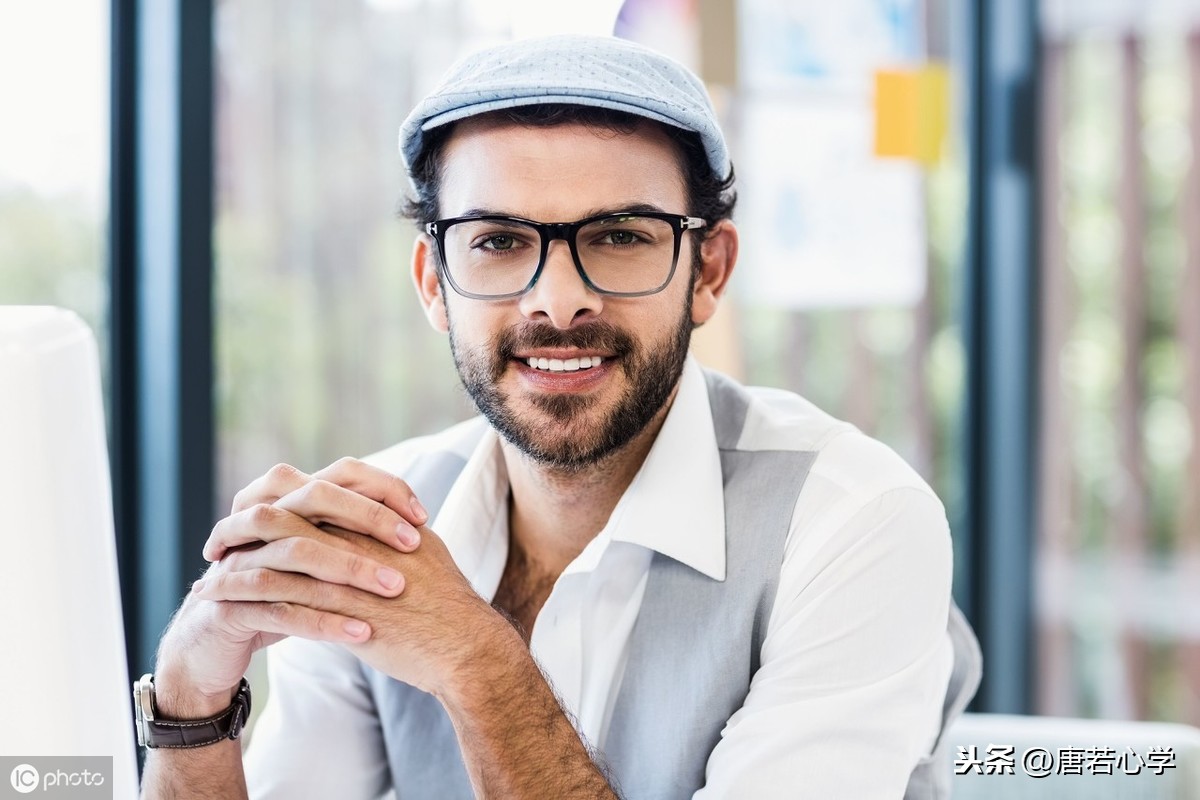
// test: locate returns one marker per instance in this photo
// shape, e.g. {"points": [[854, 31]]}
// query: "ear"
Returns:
{"points": [[718, 254], [425, 278]]}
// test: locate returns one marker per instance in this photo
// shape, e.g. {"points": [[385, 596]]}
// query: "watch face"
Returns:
{"points": [[143, 706]]}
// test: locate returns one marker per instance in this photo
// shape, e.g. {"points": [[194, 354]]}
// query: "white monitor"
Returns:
{"points": [[64, 684]]}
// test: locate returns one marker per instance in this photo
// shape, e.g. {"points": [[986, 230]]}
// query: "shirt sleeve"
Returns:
{"points": [[856, 659], [318, 735]]}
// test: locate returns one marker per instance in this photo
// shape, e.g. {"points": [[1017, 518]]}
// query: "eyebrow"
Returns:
{"points": [[482, 211]]}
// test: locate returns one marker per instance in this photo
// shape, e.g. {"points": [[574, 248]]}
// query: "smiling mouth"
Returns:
{"points": [[562, 365]]}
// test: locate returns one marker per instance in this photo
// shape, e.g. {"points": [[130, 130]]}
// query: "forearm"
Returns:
{"points": [[213, 771], [515, 738]]}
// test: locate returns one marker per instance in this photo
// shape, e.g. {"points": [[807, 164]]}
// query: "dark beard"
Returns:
{"points": [[651, 378]]}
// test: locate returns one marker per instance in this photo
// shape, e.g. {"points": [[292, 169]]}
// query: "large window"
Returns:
{"points": [[322, 347], [1117, 600], [54, 156], [323, 350]]}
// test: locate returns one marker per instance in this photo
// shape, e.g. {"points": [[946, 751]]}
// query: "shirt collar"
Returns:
{"points": [[675, 504], [473, 519]]}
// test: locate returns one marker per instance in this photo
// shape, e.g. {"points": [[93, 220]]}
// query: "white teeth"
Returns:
{"points": [[569, 365]]}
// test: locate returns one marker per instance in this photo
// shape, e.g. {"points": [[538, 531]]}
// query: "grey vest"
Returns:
{"points": [[692, 652]]}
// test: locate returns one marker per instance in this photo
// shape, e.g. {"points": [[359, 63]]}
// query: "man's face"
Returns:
{"points": [[567, 420]]}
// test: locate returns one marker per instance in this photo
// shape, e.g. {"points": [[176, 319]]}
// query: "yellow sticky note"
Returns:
{"points": [[912, 113], [933, 118]]}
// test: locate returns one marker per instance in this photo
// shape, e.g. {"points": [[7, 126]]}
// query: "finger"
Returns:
{"points": [[377, 484], [329, 560], [359, 543], [269, 586], [279, 480], [291, 619], [255, 525], [322, 502]]}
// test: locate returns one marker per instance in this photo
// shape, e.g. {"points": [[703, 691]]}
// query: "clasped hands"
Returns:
{"points": [[341, 556]]}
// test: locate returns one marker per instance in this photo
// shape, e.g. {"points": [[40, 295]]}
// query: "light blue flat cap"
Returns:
{"points": [[600, 71]]}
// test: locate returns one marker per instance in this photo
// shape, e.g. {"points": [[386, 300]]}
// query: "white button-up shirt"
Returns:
{"points": [[855, 661]]}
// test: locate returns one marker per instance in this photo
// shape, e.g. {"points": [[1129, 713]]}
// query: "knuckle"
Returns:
{"points": [[282, 473], [260, 579], [346, 463], [294, 549], [232, 560], [357, 564], [378, 515], [312, 492], [280, 612], [322, 490], [325, 625], [262, 514]]}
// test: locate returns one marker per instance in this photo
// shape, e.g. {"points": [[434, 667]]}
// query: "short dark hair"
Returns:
{"points": [[710, 196]]}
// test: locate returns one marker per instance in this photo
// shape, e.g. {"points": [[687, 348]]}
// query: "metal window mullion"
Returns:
{"points": [[122, 318], [1000, 325], [161, 250]]}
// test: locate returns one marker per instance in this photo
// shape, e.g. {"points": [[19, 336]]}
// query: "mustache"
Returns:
{"points": [[598, 335]]}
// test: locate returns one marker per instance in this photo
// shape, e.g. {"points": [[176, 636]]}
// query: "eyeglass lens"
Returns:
{"points": [[625, 254]]}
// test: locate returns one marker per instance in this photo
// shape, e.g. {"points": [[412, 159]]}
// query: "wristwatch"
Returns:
{"points": [[154, 732]]}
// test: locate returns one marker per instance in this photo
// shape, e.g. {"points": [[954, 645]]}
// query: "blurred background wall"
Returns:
{"points": [[855, 287]]}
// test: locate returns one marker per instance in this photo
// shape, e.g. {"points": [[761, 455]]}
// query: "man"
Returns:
{"points": [[635, 578]]}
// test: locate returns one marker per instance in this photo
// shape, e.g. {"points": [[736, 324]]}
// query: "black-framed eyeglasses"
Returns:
{"points": [[622, 254]]}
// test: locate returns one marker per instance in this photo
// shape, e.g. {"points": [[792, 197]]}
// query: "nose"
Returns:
{"points": [[560, 294]]}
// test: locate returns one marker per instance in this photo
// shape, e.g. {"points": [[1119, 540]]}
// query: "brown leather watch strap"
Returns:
{"points": [[155, 732]]}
